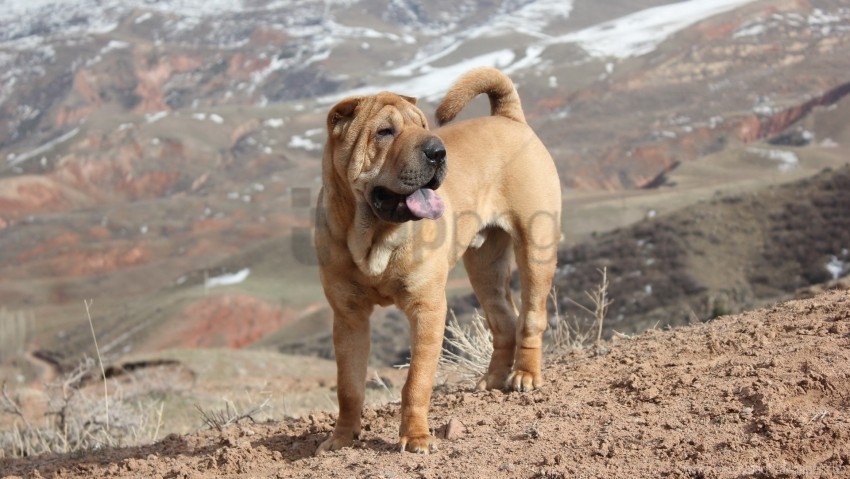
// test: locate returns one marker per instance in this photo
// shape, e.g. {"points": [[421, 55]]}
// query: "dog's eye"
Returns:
{"points": [[385, 132]]}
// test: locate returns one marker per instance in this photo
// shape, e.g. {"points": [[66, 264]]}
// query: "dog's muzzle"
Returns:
{"points": [[417, 198]]}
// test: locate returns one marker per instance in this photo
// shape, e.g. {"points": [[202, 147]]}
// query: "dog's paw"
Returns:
{"points": [[425, 444], [523, 381], [492, 381], [334, 443]]}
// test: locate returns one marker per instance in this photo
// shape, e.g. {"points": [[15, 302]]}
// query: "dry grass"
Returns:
{"points": [[69, 416], [599, 297], [467, 347], [221, 418], [73, 417], [565, 332]]}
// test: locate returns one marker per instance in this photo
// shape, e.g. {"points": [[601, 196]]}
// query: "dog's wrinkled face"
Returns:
{"points": [[382, 147]]}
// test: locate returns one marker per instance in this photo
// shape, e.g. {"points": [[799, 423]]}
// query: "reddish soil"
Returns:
{"points": [[232, 321], [762, 394]]}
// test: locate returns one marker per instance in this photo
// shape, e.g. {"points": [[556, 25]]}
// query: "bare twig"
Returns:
{"points": [[158, 422], [222, 418], [560, 330], [601, 303], [599, 298], [380, 382], [100, 360], [817, 417]]}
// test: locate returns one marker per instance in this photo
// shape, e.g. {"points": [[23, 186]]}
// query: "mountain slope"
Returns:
{"points": [[719, 256], [759, 394]]}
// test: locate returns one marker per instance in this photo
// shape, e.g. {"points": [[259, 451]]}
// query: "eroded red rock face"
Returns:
{"points": [[231, 321], [27, 194]]}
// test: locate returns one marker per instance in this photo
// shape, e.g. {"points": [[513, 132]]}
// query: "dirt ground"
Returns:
{"points": [[761, 394]]}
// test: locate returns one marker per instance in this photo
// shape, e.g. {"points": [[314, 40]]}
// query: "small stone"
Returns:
{"points": [[454, 429]]}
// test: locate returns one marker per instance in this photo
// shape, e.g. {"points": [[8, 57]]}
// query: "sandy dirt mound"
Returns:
{"points": [[762, 394]]}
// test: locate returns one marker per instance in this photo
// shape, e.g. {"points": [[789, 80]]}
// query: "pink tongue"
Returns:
{"points": [[425, 203]]}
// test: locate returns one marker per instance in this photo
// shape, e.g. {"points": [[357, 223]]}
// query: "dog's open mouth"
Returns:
{"points": [[423, 203]]}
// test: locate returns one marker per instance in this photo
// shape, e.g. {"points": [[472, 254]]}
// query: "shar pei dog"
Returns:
{"points": [[401, 204]]}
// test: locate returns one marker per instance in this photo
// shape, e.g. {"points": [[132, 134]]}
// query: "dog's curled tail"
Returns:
{"points": [[504, 99]]}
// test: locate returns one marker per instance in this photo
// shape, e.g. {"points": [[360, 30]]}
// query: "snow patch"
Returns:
{"points": [[217, 119], [114, 45], [19, 19], [228, 279], [143, 18], [818, 22], [787, 159], [14, 160], [641, 32], [530, 19], [304, 142], [432, 83], [836, 267], [750, 31], [276, 63], [155, 117], [714, 121]]}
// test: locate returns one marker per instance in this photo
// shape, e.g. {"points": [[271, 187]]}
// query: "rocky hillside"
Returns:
{"points": [[717, 257], [762, 394]]}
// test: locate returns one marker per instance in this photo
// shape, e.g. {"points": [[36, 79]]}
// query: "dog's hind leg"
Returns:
{"points": [[489, 270], [536, 249]]}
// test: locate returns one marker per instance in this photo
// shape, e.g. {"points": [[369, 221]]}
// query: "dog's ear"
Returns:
{"points": [[409, 99], [342, 111]]}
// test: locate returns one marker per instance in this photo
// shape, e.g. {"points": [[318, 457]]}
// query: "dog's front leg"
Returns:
{"points": [[351, 347], [427, 324]]}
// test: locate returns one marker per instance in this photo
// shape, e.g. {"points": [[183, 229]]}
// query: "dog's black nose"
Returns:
{"points": [[434, 150]]}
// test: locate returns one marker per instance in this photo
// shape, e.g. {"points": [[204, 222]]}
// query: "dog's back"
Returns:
{"points": [[504, 99]]}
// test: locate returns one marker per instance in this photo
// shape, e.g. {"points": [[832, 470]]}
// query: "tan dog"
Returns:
{"points": [[401, 204]]}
